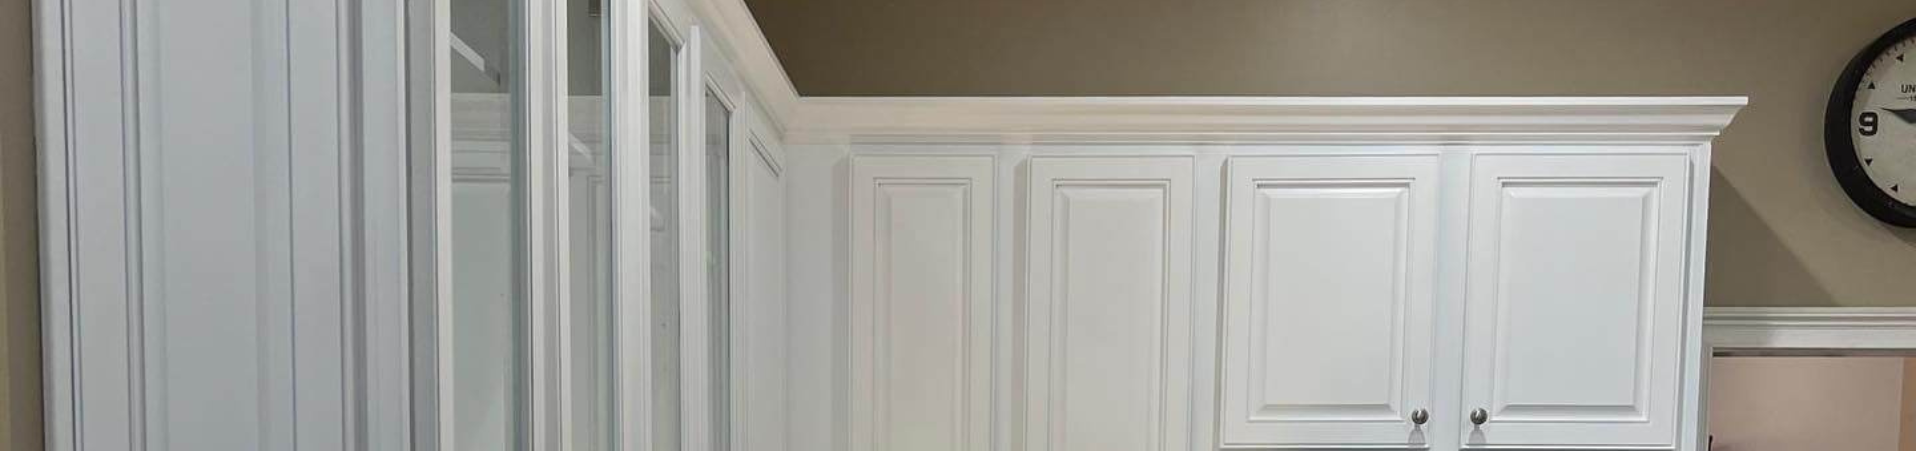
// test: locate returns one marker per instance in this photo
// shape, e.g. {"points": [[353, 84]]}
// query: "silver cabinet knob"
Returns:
{"points": [[1419, 416], [1478, 416]]}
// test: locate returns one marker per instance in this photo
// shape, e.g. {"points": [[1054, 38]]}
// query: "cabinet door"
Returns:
{"points": [[1328, 292], [921, 292], [1574, 301], [1107, 353]]}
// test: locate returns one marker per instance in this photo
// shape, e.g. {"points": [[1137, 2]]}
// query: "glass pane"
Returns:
{"points": [[486, 387], [589, 185], [662, 109], [718, 133]]}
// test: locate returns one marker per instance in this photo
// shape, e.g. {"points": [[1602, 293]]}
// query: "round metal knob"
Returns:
{"points": [[1478, 416], [1419, 416]]}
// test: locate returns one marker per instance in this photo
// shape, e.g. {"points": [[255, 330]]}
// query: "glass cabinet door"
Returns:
{"points": [[576, 285], [483, 322], [589, 159]]}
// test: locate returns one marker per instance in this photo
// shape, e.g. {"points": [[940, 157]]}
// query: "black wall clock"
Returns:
{"points": [[1869, 130]]}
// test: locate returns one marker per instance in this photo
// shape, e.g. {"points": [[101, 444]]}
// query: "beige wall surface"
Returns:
{"points": [[1907, 441], [19, 249], [1806, 403], [1781, 232]]}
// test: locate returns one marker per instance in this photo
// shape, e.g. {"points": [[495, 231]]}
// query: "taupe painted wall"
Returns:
{"points": [[1782, 233], [1907, 440], [1806, 403], [19, 249]]}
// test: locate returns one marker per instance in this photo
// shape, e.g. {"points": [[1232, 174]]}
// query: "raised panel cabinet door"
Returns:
{"points": [[1108, 311], [921, 231], [1328, 295], [1573, 330]]}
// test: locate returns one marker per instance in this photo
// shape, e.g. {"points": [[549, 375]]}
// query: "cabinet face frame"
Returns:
{"points": [[1648, 412], [1108, 186], [1406, 187]]}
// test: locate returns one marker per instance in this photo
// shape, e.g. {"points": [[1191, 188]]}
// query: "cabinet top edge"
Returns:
{"points": [[1298, 101], [1669, 119]]}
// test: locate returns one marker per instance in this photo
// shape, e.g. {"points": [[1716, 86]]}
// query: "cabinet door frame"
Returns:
{"points": [[1664, 176], [1412, 179], [974, 176], [1043, 387]]}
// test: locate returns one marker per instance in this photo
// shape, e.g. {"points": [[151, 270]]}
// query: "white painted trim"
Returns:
{"points": [[695, 324], [107, 414], [1480, 119], [1694, 391], [429, 209], [627, 51], [540, 85], [732, 24], [384, 314], [1835, 329]]}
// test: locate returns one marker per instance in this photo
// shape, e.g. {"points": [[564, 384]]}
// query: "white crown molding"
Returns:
{"points": [[1693, 120], [1810, 328], [1685, 120], [755, 62]]}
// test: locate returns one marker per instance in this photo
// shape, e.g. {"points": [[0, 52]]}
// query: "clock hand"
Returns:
{"points": [[1908, 115]]}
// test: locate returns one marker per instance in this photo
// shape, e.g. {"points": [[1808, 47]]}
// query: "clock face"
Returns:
{"points": [[1869, 129], [1884, 121]]}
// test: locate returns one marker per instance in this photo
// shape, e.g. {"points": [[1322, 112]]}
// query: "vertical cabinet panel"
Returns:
{"points": [[921, 303], [760, 306], [1327, 317], [1574, 309], [1108, 308]]}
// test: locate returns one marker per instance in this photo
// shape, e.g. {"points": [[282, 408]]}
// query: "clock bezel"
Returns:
{"points": [[1841, 147]]}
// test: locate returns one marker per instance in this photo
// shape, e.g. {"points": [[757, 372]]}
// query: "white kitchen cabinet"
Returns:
{"points": [[921, 311], [1328, 300], [1575, 299], [1369, 298], [1301, 274], [1570, 317], [1108, 328]]}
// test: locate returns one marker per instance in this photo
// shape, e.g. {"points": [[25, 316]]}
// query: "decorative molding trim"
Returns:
{"points": [[92, 324], [1810, 328], [1690, 120], [731, 21]]}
